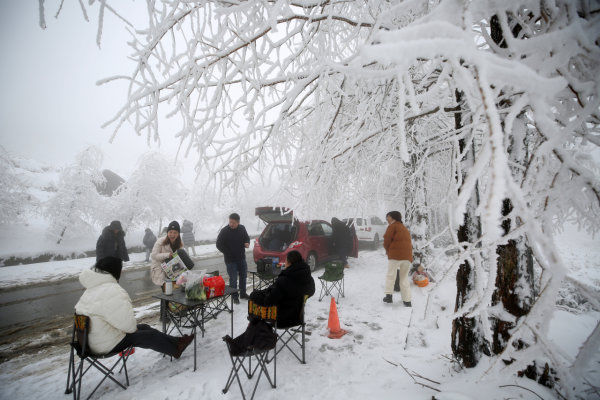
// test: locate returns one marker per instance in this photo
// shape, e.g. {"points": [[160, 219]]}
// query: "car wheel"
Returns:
{"points": [[311, 260], [375, 243]]}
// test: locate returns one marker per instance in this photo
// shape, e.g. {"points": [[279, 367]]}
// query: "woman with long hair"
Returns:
{"points": [[164, 248], [398, 248]]}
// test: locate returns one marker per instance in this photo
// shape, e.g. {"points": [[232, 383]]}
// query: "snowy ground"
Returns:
{"points": [[56, 270], [359, 365]]}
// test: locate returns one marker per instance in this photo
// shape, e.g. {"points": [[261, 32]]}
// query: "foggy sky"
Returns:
{"points": [[50, 106]]}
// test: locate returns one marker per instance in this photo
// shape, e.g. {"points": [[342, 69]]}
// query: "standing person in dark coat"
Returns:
{"points": [[288, 291], [187, 235], [149, 240], [343, 240], [111, 242], [233, 240]]}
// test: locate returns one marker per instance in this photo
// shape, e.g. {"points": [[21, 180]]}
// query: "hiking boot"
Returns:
{"points": [[388, 298], [244, 296], [236, 300], [182, 344], [407, 304]]}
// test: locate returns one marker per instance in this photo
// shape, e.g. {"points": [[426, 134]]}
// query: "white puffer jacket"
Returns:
{"points": [[110, 310], [160, 252]]}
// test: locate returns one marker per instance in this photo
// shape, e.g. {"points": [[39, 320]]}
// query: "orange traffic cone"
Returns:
{"points": [[335, 332]]}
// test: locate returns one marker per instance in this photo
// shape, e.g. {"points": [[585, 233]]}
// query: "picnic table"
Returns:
{"points": [[192, 314]]}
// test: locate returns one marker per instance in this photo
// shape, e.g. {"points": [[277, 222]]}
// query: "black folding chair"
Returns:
{"points": [[79, 346], [287, 335], [269, 315], [332, 280]]}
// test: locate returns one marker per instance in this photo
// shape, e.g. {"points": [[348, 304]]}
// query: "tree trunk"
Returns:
{"points": [[514, 283], [514, 279], [467, 338]]}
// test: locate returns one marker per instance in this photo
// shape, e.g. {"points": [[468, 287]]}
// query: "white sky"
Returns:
{"points": [[50, 106]]}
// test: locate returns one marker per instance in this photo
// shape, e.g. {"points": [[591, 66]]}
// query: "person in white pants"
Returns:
{"points": [[398, 247]]}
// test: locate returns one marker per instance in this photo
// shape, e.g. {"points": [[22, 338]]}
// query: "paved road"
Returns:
{"points": [[38, 303]]}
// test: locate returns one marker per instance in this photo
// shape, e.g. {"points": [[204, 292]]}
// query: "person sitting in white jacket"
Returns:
{"points": [[113, 327]]}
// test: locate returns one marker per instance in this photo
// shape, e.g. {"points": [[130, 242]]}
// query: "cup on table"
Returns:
{"points": [[168, 288]]}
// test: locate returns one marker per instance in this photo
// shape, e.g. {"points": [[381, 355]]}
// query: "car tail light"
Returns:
{"points": [[368, 229]]}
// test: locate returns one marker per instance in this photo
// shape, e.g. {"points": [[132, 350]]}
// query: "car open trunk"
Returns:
{"points": [[274, 214], [278, 235]]}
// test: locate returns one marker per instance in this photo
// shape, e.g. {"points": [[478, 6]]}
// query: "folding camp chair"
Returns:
{"points": [[332, 280], [287, 334], [79, 346], [269, 315]]}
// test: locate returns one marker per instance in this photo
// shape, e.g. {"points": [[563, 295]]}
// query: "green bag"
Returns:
{"points": [[195, 291]]}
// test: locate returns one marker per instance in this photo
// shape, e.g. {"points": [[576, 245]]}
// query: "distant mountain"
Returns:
{"points": [[111, 184], [41, 179]]}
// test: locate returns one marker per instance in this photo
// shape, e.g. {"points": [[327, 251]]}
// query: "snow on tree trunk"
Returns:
{"points": [[514, 284], [515, 275], [468, 340]]}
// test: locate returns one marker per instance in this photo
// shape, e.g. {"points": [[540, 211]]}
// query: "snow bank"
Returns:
{"points": [[56, 270]]}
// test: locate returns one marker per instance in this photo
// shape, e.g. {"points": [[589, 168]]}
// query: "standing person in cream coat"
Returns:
{"points": [[398, 247], [164, 248], [113, 327]]}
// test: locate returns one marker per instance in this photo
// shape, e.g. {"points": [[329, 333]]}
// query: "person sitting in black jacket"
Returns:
{"points": [[288, 291]]}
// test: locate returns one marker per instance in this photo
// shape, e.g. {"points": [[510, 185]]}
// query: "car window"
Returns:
{"points": [[359, 221], [315, 229], [327, 230], [376, 221]]}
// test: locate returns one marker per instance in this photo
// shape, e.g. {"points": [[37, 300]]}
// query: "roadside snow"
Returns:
{"points": [[18, 275]]}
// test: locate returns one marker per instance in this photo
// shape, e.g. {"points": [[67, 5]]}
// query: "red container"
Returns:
{"points": [[214, 286]]}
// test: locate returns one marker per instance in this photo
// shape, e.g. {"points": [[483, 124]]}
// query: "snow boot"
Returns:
{"points": [[407, 304], [388, 298], [182, 343]]}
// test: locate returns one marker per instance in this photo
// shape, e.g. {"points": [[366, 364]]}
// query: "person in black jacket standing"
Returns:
{"points": [[343, 239], [233, 240], [111, 242], [288, 291], [149, 240]]}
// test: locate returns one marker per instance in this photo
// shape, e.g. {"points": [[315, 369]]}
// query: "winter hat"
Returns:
{"points": [[115, 225], [174, 226], [111, 265]]}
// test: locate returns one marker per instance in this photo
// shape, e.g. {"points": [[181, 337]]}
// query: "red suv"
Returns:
{"points": [[284, 233]]}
